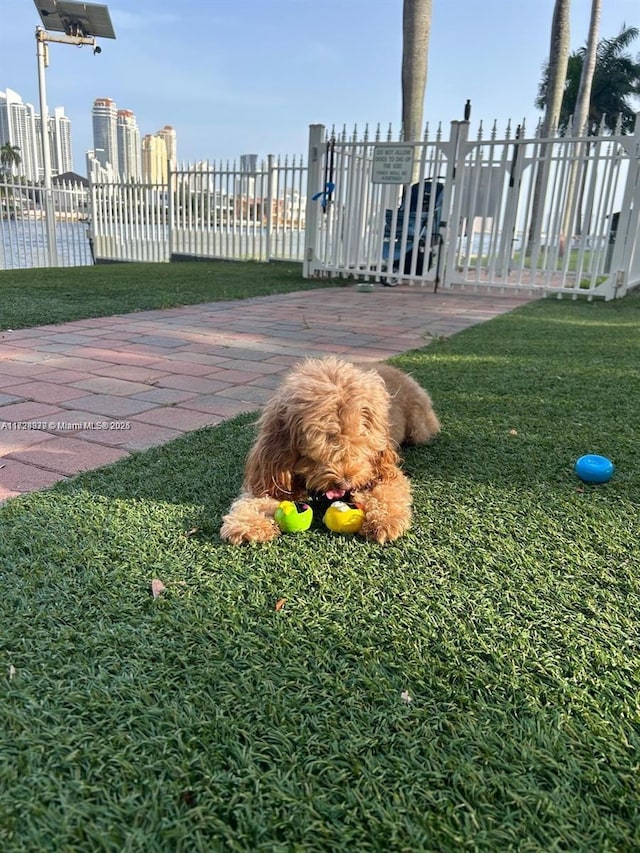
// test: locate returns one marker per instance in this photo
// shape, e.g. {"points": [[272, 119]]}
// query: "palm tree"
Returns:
{"points": [[616, 80], [416, 28], [9, 157], [556, 65], [580, 117], [583, 98]]}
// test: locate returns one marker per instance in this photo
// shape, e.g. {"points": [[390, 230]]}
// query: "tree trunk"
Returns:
{"points": [[558, 61], [580, 117], [416, 27], [588, 69]]}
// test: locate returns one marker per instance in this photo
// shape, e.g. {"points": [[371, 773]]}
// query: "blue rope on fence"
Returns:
{"points": [[324, 194]]}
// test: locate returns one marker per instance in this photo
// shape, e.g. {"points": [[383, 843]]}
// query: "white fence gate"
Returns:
{"points": [[554, 215]]}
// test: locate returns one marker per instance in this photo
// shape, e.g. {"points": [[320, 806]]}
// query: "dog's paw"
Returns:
{"points": [[382, 531], [250, 519], [381, 525], [387, 509], [262, 529]]}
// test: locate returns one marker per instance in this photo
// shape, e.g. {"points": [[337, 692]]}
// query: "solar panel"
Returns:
{"points": [[76, 19]]}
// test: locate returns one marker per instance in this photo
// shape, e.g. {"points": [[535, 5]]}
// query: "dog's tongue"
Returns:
{"points": [[335, 494]]}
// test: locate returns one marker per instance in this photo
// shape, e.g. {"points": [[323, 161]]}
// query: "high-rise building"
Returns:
{"points": [[59, 136], [155, 168], [18, 128], [169, 135], [105, 133], [60, 130], [248, 162], [97, 173], [246, 185], [129, 154]]}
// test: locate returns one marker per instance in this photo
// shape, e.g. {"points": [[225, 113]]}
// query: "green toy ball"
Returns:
{"points": [[293, 517]]}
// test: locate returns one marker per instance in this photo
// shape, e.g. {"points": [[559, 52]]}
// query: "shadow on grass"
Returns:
{"points": [[201, 470]]}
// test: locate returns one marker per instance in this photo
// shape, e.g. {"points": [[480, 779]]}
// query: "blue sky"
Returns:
{"points": [[249, 76]]}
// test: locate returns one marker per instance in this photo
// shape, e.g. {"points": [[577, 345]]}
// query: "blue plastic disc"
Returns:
{"points": [[594, 469]]}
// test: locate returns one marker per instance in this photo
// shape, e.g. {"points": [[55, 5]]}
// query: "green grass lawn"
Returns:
{"points": [[206, 719], [33, 297]]}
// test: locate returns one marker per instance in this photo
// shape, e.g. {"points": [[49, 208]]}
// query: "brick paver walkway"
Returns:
{"points": [[83, 394]]}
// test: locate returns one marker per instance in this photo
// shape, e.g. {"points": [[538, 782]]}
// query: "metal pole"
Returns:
{"points": [[41, 37]]}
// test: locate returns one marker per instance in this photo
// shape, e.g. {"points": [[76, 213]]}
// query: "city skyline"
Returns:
{"points": [[118, 151]]}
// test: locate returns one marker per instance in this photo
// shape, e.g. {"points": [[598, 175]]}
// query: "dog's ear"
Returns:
{"points": [[270, 463], [376, 405], [388, 463]]}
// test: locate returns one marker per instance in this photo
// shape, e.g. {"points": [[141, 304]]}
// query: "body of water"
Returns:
{"points": [[23, 244]]}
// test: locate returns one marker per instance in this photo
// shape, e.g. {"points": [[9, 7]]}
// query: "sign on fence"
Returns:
{"points": [[392, 164]]}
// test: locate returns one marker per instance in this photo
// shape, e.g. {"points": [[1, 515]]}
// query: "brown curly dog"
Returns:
{"points": [[334, 429]]}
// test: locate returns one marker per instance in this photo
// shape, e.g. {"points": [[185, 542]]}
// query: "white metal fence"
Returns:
{"points": [[557, 215], [206, 210]]}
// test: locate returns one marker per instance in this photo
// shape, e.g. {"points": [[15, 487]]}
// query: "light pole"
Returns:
{"points": [[64, 22], [42, 52]]}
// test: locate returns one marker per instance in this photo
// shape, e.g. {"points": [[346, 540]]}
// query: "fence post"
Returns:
{"points": [[627, 236], [91, 218], [271, 195], [314, 185], [171, 184], [507, 236], [452, 198]]}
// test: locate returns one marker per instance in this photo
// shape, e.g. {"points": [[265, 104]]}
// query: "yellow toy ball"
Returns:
{"points": [[342, 518]]}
